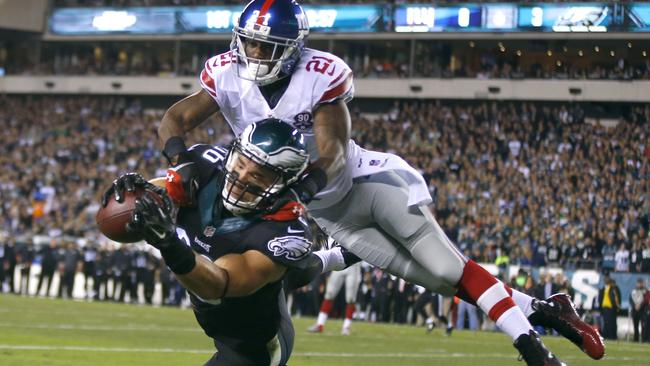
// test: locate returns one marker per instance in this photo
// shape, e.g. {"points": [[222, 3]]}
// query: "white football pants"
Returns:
{"points": [[375, 223], [351, 277]]}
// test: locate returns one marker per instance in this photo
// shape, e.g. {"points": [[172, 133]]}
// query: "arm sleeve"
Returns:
{"points": [[296, 278]]}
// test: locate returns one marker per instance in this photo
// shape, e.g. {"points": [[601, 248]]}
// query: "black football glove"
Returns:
{"points": [[302, 192], [154, 220], [128, 182], [175, 151], [348, 257]]}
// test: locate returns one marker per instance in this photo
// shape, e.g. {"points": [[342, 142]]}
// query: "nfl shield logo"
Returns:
{"points": [[209, 231]]}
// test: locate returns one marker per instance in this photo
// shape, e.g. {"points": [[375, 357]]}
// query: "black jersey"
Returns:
{"points": [[239, 322]]}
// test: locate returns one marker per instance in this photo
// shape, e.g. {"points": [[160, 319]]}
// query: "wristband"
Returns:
{"points": [[178, 257], [313, 183], [173, 147]]}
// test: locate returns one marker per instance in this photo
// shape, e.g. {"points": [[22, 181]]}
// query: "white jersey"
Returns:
{"points": [[319, 77]]}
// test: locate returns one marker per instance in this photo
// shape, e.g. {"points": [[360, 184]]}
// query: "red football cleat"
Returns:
{"points": [[559, 313]]}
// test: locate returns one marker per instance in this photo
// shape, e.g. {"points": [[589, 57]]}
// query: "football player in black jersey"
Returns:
{"points": [[230, 256]]}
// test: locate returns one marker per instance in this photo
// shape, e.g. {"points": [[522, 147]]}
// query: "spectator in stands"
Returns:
{"points": [[610, 303], [636, 256], [49, 262], [622, 259], [645, 256], [608, 254], [637, 307], [554, 255], [546, 286]]}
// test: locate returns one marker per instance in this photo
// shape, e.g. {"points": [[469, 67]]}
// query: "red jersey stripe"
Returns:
{"points": [[338, 90], [337, 78], [208, 83]]}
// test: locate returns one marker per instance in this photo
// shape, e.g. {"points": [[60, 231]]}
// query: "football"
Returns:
{"points": [[112, 219]]}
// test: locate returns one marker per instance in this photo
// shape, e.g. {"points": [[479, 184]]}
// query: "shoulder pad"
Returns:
{"points": [[334, 79], [212, 69]]}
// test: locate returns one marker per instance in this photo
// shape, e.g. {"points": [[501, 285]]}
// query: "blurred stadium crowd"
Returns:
{"points": [[529, 184], [432, 60]]}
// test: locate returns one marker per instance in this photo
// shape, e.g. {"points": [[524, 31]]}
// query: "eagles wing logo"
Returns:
{"points": [[291, 247]]}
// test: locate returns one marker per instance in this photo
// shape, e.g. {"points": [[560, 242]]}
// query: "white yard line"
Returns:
{"points": [[100, 327], [295, 354]]}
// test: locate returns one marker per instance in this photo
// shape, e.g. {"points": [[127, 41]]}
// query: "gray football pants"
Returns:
{"points": [[375, 223]]}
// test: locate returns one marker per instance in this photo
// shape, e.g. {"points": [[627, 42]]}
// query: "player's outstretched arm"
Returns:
{"points": [[232, 275], [183, 116], [332, 131]]}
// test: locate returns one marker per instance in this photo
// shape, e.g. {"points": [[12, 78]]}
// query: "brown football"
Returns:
{"points": [[112, 219]]}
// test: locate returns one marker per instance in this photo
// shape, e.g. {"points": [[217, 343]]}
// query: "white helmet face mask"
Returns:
{"points": [[262, 71], [265, 159], [243, 198]]}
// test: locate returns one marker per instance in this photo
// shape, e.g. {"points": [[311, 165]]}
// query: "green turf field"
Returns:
{"points": [[36, 331]]}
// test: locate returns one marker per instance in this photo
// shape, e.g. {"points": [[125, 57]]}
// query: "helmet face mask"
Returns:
{"points": [[251, 192], [280, 30], [268, 157]]}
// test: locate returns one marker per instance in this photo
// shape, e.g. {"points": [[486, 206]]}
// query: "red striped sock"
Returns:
{"points": [[349, 311], [477, 286], [326, 306]]}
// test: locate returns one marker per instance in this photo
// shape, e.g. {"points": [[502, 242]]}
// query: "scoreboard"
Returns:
{"points": [[457, 17], [565, 17]]}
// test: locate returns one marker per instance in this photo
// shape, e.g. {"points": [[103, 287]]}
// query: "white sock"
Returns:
{"points": [[332, 259], [429, 320], [322, 318], [346, 323], [523, 301], [514, 323]]}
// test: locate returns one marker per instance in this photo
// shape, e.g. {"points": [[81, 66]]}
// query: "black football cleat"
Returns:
{"points": [[559, 313], [533, 351]]}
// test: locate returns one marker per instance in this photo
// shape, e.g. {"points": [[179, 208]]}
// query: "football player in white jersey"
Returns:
{"points": [[372, 203]]}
